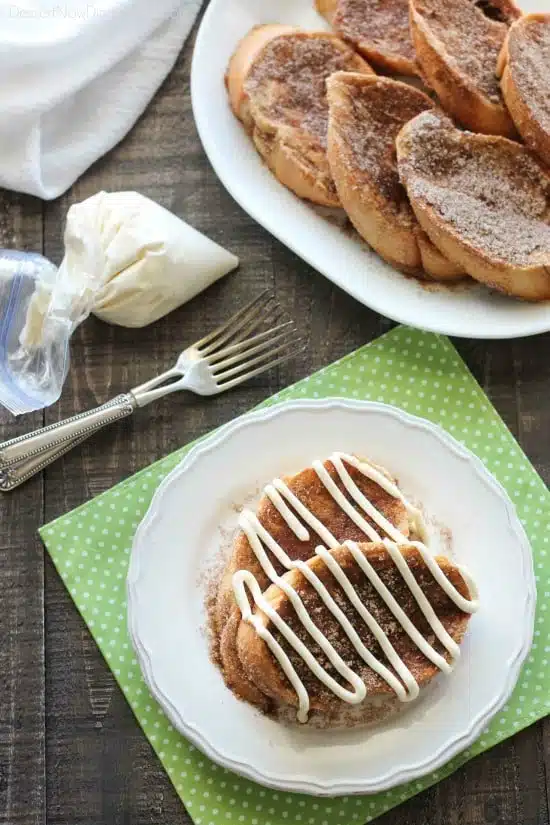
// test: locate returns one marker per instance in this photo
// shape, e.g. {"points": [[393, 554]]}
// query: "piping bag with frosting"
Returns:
{"points": [[127, 260]]}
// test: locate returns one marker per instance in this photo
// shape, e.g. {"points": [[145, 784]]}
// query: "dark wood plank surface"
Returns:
{"points": [[22, 638], [70, 750]]}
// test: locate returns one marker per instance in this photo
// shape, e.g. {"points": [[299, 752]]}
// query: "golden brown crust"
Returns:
{"points": [[366, 113], [327, 9], [483, 201], [457, 44], [264, 670], [276, 83], [524, 69], [307, 486], [234, 676], [378, 29], [435, 266]]}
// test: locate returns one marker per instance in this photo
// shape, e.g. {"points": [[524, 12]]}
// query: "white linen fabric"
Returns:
{"points": [[75, 77]]}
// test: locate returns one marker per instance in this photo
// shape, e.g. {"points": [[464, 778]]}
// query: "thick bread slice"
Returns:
{"points": [[307, 486], [524, 69], [366, 113], [378, 29], [276, 84], [484, 202], [264, 670], [457, 45]]}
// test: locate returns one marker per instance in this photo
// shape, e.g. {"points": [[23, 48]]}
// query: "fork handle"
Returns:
{"points": [[23, 457]]}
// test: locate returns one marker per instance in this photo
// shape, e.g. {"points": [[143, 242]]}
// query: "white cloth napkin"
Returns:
{"points": [[75, 75]]}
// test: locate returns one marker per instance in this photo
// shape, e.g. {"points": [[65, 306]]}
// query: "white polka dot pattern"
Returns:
{"points": [[417, 371]]}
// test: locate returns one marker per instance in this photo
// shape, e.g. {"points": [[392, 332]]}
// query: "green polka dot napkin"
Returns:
{"points": [[90, 547]]}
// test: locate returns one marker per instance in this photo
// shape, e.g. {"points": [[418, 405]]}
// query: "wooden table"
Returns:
{"points": [[71, 752]]}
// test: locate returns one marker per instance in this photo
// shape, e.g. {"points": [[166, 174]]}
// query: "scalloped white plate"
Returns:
{"points": [[468, 310], [193, 514]]}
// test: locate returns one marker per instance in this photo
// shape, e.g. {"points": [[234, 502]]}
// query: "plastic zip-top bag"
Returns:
{"points": [[127, 260], [33, 365], [40, 307]]}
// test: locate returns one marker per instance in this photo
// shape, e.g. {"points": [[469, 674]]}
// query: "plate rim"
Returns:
{"points": [[537, 326], [309, 785]]}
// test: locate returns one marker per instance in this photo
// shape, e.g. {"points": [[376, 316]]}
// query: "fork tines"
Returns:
{"points": [[245, 321], [237, 351]]}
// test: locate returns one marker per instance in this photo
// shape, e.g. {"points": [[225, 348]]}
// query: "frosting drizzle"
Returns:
{"points": [[244, 583]]}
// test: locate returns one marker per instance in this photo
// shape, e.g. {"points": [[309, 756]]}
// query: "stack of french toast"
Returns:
{"points": [[444, 172], [331, 610]]}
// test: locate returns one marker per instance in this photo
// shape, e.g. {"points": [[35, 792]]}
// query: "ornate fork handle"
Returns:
{"points": [[22, 457]]}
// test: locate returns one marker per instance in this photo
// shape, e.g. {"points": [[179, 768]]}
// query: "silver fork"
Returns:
{"points": [[233, 353]]}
